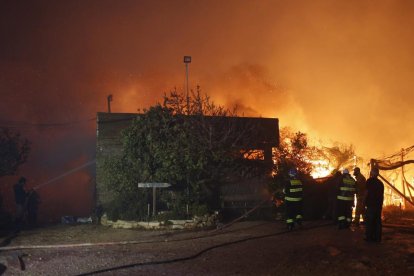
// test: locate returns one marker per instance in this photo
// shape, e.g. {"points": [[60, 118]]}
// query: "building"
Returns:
{"points": [[110, 125]]}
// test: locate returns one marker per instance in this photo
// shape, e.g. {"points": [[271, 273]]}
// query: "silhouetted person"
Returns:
{"points": [[99, 213], [20, 200], [3, 268], [375, 197], [345, 200], [33, 201], [361, 192], [5, 220]]}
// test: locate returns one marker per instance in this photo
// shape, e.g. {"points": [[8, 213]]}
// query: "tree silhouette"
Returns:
{"points": [[13, 151]]}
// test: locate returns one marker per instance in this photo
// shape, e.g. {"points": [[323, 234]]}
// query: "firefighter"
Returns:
{"points": [[345, 200], [32, 207], [361, 192], [20, 197], [293, 199], [373, 202]]}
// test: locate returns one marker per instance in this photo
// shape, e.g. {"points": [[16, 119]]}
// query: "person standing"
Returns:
{"points": [[361, 192], [20, 196], [32, 207], [293, 199], [345, 200], [373, 202]]}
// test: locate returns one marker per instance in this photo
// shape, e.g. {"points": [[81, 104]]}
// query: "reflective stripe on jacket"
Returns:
{"points": [[347, 189], [294, 182], [293, 190], [287, 198]]}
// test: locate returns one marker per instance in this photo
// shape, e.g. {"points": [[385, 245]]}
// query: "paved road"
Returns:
{"points": [[247, 248]]}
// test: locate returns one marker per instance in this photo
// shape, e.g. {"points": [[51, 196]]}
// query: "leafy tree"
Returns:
{"points": [[293, 152], [13, 151], [192, 147]]}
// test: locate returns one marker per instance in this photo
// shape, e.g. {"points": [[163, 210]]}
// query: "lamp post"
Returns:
{"points": [[109, 98], [187, 60]]}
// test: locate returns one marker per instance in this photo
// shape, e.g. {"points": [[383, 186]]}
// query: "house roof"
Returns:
{"points": [[110, 125]]}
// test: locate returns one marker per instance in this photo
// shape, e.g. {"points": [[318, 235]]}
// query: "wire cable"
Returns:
{"points": [[4, 247], [22, 124], [198, 254]]}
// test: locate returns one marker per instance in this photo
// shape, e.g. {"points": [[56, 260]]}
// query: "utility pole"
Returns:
{"points": [[402, 176], [187, 60], [109, 98]]}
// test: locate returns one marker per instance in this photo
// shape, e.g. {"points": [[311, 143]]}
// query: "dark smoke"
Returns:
{"points": [[337, 70]]}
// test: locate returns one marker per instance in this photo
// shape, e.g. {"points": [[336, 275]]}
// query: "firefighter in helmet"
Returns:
{"points": [[293, 199], [345, 199]]}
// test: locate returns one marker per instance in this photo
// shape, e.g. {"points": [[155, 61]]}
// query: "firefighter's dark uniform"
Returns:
{"points": [[293, 201], [345, 201], [361, 191], [375, 197], [20, 196]]}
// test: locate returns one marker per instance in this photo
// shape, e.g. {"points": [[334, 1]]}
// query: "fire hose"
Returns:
{"points": [[209, 234], [198, 254]]}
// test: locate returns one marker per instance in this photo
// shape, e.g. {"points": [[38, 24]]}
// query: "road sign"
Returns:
{"points": [[153, 185]]}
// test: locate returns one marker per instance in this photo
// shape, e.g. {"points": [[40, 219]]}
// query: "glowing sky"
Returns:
{"points": [[338, 70]]}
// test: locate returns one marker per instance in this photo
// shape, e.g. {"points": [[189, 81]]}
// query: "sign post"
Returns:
{"points": [[154, 187]]}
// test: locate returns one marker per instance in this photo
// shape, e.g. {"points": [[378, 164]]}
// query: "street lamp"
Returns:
{"points": [[109, 98], [187, 60]]}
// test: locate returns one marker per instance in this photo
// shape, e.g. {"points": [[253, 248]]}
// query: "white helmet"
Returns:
{"points": [[345, 171]]}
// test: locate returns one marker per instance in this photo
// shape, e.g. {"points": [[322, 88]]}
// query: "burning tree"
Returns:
{"points": [[296, 152], [339, 155], [191, 147], [13, 151], [293, 152]]}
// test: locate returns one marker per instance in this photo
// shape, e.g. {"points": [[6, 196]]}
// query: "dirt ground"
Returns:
{"points": [[245, 248]]}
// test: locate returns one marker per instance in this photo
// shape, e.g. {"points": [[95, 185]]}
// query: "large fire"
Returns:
{"points": [[321, 168]]}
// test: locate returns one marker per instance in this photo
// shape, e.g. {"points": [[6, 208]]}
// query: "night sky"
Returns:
{"points": [[337, 70]]}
